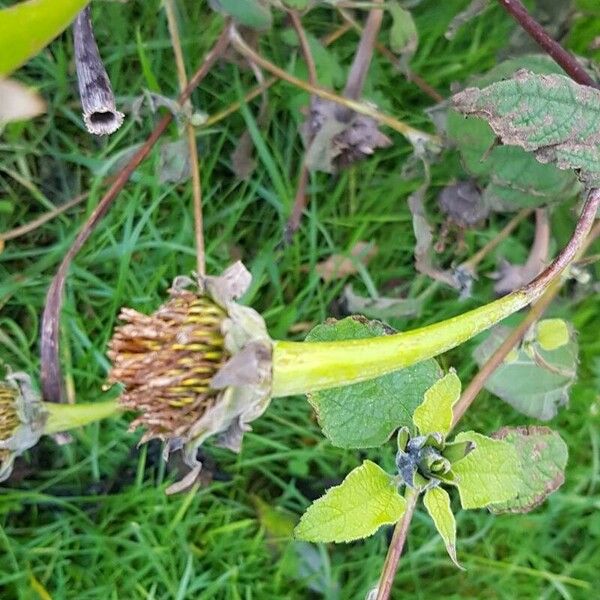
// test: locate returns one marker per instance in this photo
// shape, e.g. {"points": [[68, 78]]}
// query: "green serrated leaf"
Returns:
{"points": [[513, 178], [255, 14], [367, 499], [535, 384], [543, 457], [488, 474], [365, 414], [550, 115], [434, 414], [28, 27], [552, 334], [437, 503]]}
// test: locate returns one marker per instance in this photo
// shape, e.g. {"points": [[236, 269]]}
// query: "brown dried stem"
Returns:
{"points": [[195, 163], [52, 383], [386, 581], [304, 46], [561, 56], [100, 114], [47, 216], [411, 133], [364, 54], [387, 53], [472, 262]]}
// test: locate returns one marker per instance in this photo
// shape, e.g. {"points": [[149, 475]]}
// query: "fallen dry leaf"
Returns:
{"points": [[18, 102], [338, 266]]}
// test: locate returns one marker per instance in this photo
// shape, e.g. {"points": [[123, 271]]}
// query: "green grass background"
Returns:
{"points": [[90, 520]]}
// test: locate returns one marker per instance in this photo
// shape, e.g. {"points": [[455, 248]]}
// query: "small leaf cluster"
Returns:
{"points": [[511, 471]]}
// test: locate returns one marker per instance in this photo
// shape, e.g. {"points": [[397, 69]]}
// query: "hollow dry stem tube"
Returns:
{"points": [[100, 114]]}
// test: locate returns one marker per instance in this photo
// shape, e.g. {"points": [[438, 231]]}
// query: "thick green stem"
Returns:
{"points": [[301, 367], [62, 417]]}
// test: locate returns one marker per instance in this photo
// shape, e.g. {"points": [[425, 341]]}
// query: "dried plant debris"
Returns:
{"points": [[338, 266], [198, 366], [475, 8], [97, 99], [381, 307], [336, 137], [463, 204], [512, 277], [22, 419], [550, 115], [18, 102]]}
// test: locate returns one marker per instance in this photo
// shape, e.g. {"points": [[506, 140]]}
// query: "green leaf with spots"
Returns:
{"points": [[27, 27], [543, 458], [550, 115], [367, 499], [488, 474], [366, 414], [437, 503], [511, 177], [532, 380], [434, 414]]}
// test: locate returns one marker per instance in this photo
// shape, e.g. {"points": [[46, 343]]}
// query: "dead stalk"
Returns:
{"points": [[561, 56], [100, 114], [195, 163], [52, 382]]}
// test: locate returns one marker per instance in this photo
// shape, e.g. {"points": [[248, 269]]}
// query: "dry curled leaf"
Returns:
{"points": [[18, 102], [336, 137], [463, 204], [338, 266]]}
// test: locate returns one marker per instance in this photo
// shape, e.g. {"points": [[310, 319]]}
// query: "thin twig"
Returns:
{"points": [[544, 287], [393, 59], [386, 581], [300, 198], [304, 46], [411, 133], [259, 89], [195, 163], [561, 56], [35, 223], [52, 383], [472, 262], [477, 383]]}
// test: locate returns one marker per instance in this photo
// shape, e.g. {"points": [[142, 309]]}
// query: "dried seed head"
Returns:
{"points": [[199, 366], [166, 362], [22, 419], [336, 137]]}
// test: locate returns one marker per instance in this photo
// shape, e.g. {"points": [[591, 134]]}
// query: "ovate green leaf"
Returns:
{"points": [[550, 115], [437, 503], [27, 27], [488, 474], [534, 381], [367, 499], [552, 334], [543, 457], [365, 414], [404, 36], [434, 414]]}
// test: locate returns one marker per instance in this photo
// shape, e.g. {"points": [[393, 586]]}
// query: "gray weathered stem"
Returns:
{"points": [[100, 114]]}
